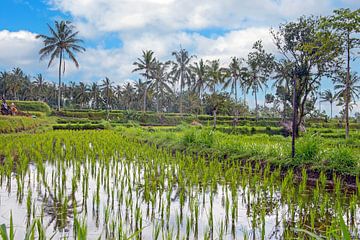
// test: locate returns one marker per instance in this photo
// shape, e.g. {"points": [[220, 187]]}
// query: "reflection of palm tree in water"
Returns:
{"points": [[60, 209]]}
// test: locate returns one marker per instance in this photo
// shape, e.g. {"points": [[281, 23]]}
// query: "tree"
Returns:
{"points": [[283, 69], [345, 23], [128, 94], [61, 43], [161, 83], [328, 96], [41, 85], [181, 71], [107, 91], [94, 95], [145, 64], [309, 54], [215, 75], [347, 92], [260, 66], [82, 94]]}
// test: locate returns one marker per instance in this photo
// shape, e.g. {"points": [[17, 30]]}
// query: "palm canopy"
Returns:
{"points": [[146, 63], [215, 74], [236, 75], [62, 41], [198, 76], [341, 86], [328, 96]]}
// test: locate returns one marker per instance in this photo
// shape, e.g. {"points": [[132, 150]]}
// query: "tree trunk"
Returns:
{"points": [[256, 106], [294, 120], [145, 95], [157, 97], [214, 113], [331, 110], [181, 102], [59, 93], [236, 109], [347, 90]]}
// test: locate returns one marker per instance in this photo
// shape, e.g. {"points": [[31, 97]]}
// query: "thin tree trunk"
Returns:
{"points": [[157, 97], [294, 120], [145, 95], [256, 106], [331, 110], [59, 93], [236, 101], [214, 113], [181, 102], [347, 90]]}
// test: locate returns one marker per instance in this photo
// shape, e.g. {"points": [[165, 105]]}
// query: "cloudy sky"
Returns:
{"points": [[115, 31]]}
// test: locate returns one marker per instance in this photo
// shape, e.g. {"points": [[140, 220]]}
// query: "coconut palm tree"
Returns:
{"points": [[82, 94], [181, 71], [260, 67], [328, 96], [94, 95], [107, 93], [161, 82], [40, 84], [347, 91], [145, 64], [215, 75], [61, 43], [128, 94]]}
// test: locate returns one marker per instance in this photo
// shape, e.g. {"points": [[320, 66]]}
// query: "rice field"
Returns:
{"points": [[102, 185]]}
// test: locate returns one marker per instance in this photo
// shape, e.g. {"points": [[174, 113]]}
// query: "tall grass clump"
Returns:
{"points": [[307, 150], [342, 159]]}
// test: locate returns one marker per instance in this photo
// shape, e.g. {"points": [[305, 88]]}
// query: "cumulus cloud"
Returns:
{"points": [[114, 15], [18, 49]]}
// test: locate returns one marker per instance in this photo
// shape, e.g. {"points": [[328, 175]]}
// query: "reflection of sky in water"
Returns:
{"points": [[242, 223]]}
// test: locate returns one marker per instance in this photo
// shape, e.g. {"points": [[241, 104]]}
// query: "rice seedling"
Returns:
{"points": [[140, 191]]}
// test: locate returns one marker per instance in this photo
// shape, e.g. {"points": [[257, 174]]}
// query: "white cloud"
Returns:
{"points": [[18, 49], [130, 15]]}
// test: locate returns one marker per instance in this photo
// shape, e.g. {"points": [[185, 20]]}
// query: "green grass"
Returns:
{"points": [[12, 124], [31, 106]]}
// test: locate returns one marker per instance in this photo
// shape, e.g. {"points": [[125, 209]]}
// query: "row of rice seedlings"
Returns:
{"points": [[139, 191]]}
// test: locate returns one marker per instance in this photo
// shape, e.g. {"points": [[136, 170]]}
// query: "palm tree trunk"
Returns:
{"points": [[59, 93], [294, 121], [347, 91], [331, 110], [214, 113], [145, 95], [157, 97], [256, 105], [236, 102], [181, 85]]}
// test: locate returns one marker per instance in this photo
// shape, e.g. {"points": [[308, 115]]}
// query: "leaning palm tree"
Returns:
{"points": [[328, 96], [61, 43], [145, 64], [181, 71]]}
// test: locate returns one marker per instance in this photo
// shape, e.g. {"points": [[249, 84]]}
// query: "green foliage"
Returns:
{"points": [[342, 159], [308, 149], [31, 106]]}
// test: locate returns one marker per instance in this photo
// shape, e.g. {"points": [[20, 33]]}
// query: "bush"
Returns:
{"points": [[307, 150], [342, 159], [203, 138]]}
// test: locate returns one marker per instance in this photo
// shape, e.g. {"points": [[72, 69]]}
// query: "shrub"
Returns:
{"points": [[342, 159], [307, 149]]}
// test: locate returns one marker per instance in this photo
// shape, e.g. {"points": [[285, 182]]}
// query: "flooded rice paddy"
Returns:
{"points": [[97, 184]]}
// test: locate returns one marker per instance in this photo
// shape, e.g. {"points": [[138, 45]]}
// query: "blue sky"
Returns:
{"points": [[116, 31]]}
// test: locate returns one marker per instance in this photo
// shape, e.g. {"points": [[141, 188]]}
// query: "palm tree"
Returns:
{"points": [[128, 94], [95, 95], [260, 66], [82, 94], [348, 91], [328, 96], [145, 64], [283, 71], [181, 71], [107, 91], [61, 43], [40, 85], [161, 83], [215, 75]]}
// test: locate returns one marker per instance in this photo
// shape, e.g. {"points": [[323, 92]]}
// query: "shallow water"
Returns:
{"points": [[139, 190]]}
